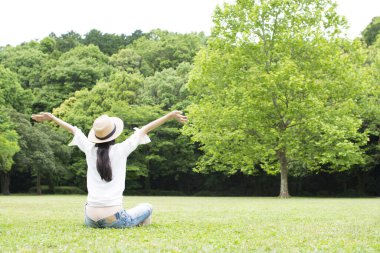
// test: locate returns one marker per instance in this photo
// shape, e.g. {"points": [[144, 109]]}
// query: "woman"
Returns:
{"points": [[106, 168]]}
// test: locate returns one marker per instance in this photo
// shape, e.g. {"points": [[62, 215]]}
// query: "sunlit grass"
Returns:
{"points": [[195, 224]]}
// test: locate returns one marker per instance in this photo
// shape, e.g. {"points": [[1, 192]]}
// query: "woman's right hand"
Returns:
{"points": [[43, 116]]}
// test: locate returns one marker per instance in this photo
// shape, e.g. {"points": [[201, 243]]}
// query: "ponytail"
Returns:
{"points": [[103, 163]]}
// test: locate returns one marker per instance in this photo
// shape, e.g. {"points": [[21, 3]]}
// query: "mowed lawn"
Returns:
{"points": [[195, 224]]}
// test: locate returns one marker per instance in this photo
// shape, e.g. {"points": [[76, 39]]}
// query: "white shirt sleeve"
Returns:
{"points": [[81, 141], [131, 143]]}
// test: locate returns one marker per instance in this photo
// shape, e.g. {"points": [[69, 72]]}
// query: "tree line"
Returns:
{"points": [[275, 92]]}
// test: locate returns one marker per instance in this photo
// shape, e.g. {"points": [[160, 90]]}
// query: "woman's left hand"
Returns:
{"points": [[177, 115]]}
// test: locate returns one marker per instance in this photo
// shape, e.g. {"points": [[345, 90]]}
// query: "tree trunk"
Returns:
{"points": [[299, 186], [147, 184], [361, 184], [147, 180], [5, 181], [39, 191], [284, 190], [51, 184]]}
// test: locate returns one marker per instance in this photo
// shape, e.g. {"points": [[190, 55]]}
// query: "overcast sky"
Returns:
{"points": [[25, 20]]}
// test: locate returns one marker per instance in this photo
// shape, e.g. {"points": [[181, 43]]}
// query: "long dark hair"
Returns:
{"points": [[103, 163]]}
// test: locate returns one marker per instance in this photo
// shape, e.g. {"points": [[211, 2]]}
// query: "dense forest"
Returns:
{"points": [[286, 106]]}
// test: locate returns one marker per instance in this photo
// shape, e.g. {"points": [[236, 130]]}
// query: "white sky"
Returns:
{"points": [[25, 20]]}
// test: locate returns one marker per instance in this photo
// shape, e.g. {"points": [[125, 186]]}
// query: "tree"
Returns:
{"points": [[275, 87], [12, 95], [44, 151], [371, 119], [48, 45], [78, 68], [134, 36], [109, 43], [67, 41], [167, 88], [8, 148], [161, 49], [48, 97], [374, 60], [371, 32], [27, 61], [86, 105], [126, 60], [50, 155]]}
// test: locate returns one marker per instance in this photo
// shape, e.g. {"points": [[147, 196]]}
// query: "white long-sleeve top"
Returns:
{"points": [[100, 192]]}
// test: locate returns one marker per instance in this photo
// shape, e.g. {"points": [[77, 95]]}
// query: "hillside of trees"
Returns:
{"points": [[287, 106]]}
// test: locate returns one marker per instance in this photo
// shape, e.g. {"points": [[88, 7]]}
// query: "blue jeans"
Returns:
{"points": [[122, 219]]}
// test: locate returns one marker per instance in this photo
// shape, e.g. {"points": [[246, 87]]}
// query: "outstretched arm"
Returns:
{"points": [[45, 116], [177, 115]]}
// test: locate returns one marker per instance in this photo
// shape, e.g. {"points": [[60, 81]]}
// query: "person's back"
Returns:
{"points": [[106, 168]]}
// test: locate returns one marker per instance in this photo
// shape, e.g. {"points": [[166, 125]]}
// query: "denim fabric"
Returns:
{"points": [[122, 219]]}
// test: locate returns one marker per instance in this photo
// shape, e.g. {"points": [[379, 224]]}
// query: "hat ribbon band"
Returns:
{"points": [[108, 135]]}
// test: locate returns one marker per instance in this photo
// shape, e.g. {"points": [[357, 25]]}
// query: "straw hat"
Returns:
{"points": [[105, 129]]}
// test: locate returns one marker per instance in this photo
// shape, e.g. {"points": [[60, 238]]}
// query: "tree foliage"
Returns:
{"points": [[126, 60], [78, 68], [8, 148], [371, 112], [371, 32], [27, 61], [67, 41], [8, 142], [167, 88], [161, 49], [12, 95], [110, 43], [43, 151]]}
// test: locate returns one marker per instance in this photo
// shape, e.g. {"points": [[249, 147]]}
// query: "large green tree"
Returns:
{"points": [[371, 115], [277, 87]]}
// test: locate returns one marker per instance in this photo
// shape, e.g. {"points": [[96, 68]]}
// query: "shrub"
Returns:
{"points": [[153, 193], [58, 190]]}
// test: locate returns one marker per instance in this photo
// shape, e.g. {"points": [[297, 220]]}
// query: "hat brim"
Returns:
{"points": [[119, 129]]}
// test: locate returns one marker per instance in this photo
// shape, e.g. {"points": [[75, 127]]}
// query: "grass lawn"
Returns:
{"points": [[195, 224]]}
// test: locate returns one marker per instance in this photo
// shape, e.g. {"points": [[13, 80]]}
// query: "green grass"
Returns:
{"points": [[195, 224]]}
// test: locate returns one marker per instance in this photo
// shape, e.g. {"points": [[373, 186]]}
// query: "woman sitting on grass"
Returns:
{"points": [[106, 168]]}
